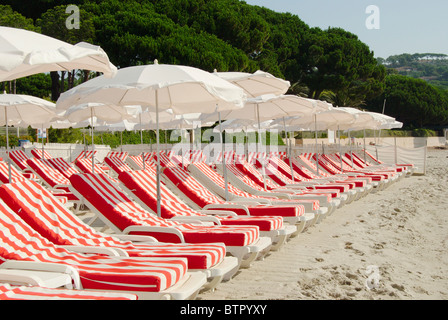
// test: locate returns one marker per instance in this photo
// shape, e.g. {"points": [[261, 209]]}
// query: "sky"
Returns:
{"points": [[394, 27]]}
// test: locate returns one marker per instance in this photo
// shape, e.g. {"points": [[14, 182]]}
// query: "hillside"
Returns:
{"points": [[431, 67]]}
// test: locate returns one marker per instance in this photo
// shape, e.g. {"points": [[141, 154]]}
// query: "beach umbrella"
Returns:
{"points": [[24, 53], [23, 109], [159, 87], [93, 111], [257, 83]]}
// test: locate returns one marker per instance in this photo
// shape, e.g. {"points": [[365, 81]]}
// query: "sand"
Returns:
{"points": [[389, 245]]}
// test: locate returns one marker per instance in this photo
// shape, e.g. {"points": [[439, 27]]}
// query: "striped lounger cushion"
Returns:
{"points": [[143, 185], [118, 208], [19, 242], [8, 292], [43, 213], [203, 197]]}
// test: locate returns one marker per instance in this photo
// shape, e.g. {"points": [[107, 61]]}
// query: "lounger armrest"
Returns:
{"points": [[218, 212], [251, 201], [196, 219], [113, 252], [247, 202], [135, 238], [150, 229], [278, 195], [298, 186], [17, 277], [45, 266], [227, 205]]}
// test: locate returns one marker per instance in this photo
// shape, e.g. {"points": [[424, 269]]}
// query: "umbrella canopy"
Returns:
{"points": [[180, 88], [267, 107], [363, 120], [257, 83], [23, 53], [106, 112], [23, 109], [385, 121], [325, 120], [159, 87]]}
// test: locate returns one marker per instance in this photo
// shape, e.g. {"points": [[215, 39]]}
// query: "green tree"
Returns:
{"points": [[337, 60], [412, 101], [53, 24]]}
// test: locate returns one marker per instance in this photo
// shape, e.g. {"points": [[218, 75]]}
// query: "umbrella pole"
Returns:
{"points": [[43, 155], [141, 141], [259, 141], [340, 147], [7, 145], [364, 145], [317, 151], [93, 145], [159, 211], [350, 141], [121, 141], [224, 164], [288, 150]]}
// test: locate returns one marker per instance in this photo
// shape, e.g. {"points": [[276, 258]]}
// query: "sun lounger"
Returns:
{"points": [[61, 227], [361, 184], [149, 278], [123, 215], [141, 185], [216, 183], [117, 154], [11, 292], [271, 185], [241, 180], [19, 158], [17, 176], [40, 154], [199, 197], [54, 180], [64, 167]]}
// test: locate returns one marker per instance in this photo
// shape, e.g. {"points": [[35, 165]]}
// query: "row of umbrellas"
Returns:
{"points": [[155, 94]]}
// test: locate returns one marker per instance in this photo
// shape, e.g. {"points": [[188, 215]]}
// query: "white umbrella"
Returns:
{"points": [[26, 109], [257, 83], [23, 53], [159, 87], [105, 112]]}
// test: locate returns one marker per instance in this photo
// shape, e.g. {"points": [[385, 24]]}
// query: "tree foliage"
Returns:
{"points": [[230, 35], [412, 101]]}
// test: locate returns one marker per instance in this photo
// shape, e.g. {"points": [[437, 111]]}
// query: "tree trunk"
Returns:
{"points": [[55, 85]]}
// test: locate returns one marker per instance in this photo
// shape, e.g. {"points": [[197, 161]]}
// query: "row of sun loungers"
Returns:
{"points": [[205, 234]]}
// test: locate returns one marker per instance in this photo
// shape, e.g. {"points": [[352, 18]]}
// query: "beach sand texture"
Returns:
{"points": [[389, 245]]}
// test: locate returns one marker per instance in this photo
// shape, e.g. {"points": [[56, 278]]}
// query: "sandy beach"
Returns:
{"points": [[390, 245]]}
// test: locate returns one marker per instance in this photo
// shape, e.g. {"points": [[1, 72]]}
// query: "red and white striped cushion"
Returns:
{"points": [[200, 195], [40, 154], [117, 154], [116, 206], [65, 168], [19, 157], [8, 292], [15, 174], [143, 185], [19, 242], [47, 173], [117, 164], [44, 214]]}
